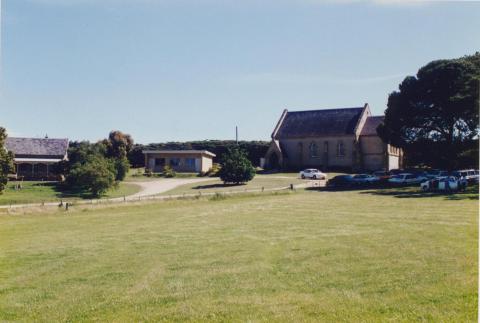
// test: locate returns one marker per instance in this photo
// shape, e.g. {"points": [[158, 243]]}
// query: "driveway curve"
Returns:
{"points": [[149, 188]]}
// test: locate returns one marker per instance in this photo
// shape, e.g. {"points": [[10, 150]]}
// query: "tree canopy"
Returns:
{"points": [[235, 167], [118, 146], [95, 175], [96, 167], [434, 115]]}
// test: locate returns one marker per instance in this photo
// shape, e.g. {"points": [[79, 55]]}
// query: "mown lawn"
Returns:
{"points": [[216, 185], [37, 192], [305, 256]]}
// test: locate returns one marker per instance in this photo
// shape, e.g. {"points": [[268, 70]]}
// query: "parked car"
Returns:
{"points": [[444, 183], [395, 171], [471, 175], [382, 175], [434, 173], [406, 178], [340, 181], [313, 174], [365, 179]]}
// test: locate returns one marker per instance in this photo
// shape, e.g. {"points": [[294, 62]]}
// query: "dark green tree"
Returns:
{"points": [[6, 161], [235, 167], [434, 115], [121, 168], [95, 175]]}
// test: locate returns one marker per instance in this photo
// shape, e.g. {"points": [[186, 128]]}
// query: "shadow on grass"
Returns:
{"points": [[219, 185], [61, 191], [471, 193]]}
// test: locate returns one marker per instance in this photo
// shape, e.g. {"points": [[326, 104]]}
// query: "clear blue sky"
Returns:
{"points": [[190, 69]]}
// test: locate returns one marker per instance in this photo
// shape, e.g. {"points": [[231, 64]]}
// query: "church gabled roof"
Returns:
{"points": [[37, 147], [314, 123], [371, 124]]}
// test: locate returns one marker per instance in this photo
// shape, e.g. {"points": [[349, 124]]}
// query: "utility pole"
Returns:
{"points": [[236, 132]]}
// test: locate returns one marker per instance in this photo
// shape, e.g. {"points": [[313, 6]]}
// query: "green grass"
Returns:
{"points": [[37, 192], [216, 185], [292, 257]]}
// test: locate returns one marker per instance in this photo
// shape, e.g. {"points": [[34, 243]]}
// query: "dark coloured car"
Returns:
{"points": [[341, 181], [382, 175], [434, 173], [365, 179], [393, 172]]}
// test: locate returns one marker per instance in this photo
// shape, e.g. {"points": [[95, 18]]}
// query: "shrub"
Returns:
{"points": [[235, 167], [96, 175], [121, 168], [212, 172], [168, 171], [148, 172]]}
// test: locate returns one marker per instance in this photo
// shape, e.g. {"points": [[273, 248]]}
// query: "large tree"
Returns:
{"points": [[434, 115], [95, 175], [235, 167], [118, 145], [6, 160]]}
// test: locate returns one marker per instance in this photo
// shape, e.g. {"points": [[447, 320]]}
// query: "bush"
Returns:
{"points": [[168, 172], [96, 175], [235, 167], [214, 171], [121, 168]]}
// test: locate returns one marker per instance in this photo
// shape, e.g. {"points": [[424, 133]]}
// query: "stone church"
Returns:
{"points": [[342, 139]]}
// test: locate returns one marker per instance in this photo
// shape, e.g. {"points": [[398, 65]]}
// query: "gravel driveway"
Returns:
{"points": [[149, 188]]}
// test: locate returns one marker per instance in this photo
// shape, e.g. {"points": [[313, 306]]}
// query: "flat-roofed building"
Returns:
{"points": [[188, 161]]}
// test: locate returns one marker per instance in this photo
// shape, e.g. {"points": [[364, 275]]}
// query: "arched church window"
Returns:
{"points": [[300, 148], [313, 150], [340, 149]]}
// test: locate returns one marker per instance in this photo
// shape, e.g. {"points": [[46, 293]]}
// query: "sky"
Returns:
{"points": [[176, 70]]}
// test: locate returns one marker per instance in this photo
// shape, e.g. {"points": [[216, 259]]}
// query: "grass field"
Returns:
{"points": [[216, 185], [306, 256], [37, 192]]}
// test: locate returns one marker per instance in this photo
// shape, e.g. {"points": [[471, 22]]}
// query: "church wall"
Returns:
{"points": [[373, 152], [299, 154], [362, 121]]}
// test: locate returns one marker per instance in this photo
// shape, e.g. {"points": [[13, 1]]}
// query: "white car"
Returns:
{"points": [[471, 175], [406, 178], [445, 183], [313, 174]]}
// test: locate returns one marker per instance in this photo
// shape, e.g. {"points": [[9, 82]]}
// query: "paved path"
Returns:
{"points": [[149, 188]]}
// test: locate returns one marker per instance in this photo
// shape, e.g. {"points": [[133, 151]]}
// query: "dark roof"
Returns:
{"points": [[37, 146], [315, 123], [371, 124]]}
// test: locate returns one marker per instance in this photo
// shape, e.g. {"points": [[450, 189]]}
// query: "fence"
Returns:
{"points": [[139, 198]]}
